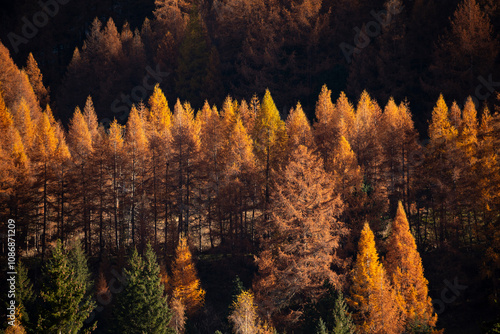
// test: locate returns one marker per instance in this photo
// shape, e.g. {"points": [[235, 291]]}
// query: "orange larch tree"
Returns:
{"points": [[115, 145], [371, 294], [299, 130], [81, 148], [300, 240], [185, 283], [404, 269], [136, 145], [46, 147], [36, 80], [325, 132], [185, 160], [159, 134]]}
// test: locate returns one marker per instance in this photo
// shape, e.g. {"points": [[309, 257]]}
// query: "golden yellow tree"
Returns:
{"points": [[299, 130], [269, 137], [347, 117], [82, 147], [16, 328], [45, 146], [371, 295], [158, 128], [115, 145], [185, 283], [25, 124], [137, 149], [404, 268], [244, 316]]}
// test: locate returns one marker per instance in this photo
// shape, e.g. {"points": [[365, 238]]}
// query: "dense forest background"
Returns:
{"points": [[243, 47], [263, 145]]}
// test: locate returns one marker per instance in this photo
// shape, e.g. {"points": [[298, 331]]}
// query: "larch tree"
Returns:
{"points": [[115, 145], [185, 283], [26, 125], [212, 144], [325, 131], [46, 147], [300, 240], [136, 145], [399, 143], [345, 169], [466, 50], [366, 142], [239, 164], [406, 273], [441, 155], [159, 134], [467, 190], [178, 320], [371, 294], [63, 166], [347, 117], [240, 193], [348, 178], [81, 147], [244, 317], [14, 84], [185, 159], [247, 115], [36, 80], [269, 138], [299, 130]]}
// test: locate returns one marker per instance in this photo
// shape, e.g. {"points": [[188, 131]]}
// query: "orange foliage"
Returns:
{"points": [[185, 282], [404, 268], [372, 296]]}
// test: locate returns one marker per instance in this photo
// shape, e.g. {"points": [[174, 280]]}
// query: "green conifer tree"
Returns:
{"points": [[341, 317], [64, 301], [142, 306]]}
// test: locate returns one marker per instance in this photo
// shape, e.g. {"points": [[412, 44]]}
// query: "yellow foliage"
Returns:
{"points": [[298, 129], [185, 282], [79, 135], [46, 140], [160, 117], [244, 315], [440, 128], [372, 296], [17, 328]]}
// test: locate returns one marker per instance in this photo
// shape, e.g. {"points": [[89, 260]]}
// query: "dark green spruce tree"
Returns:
{"points": [[343, 323], [142, 306], [65, 299]]}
